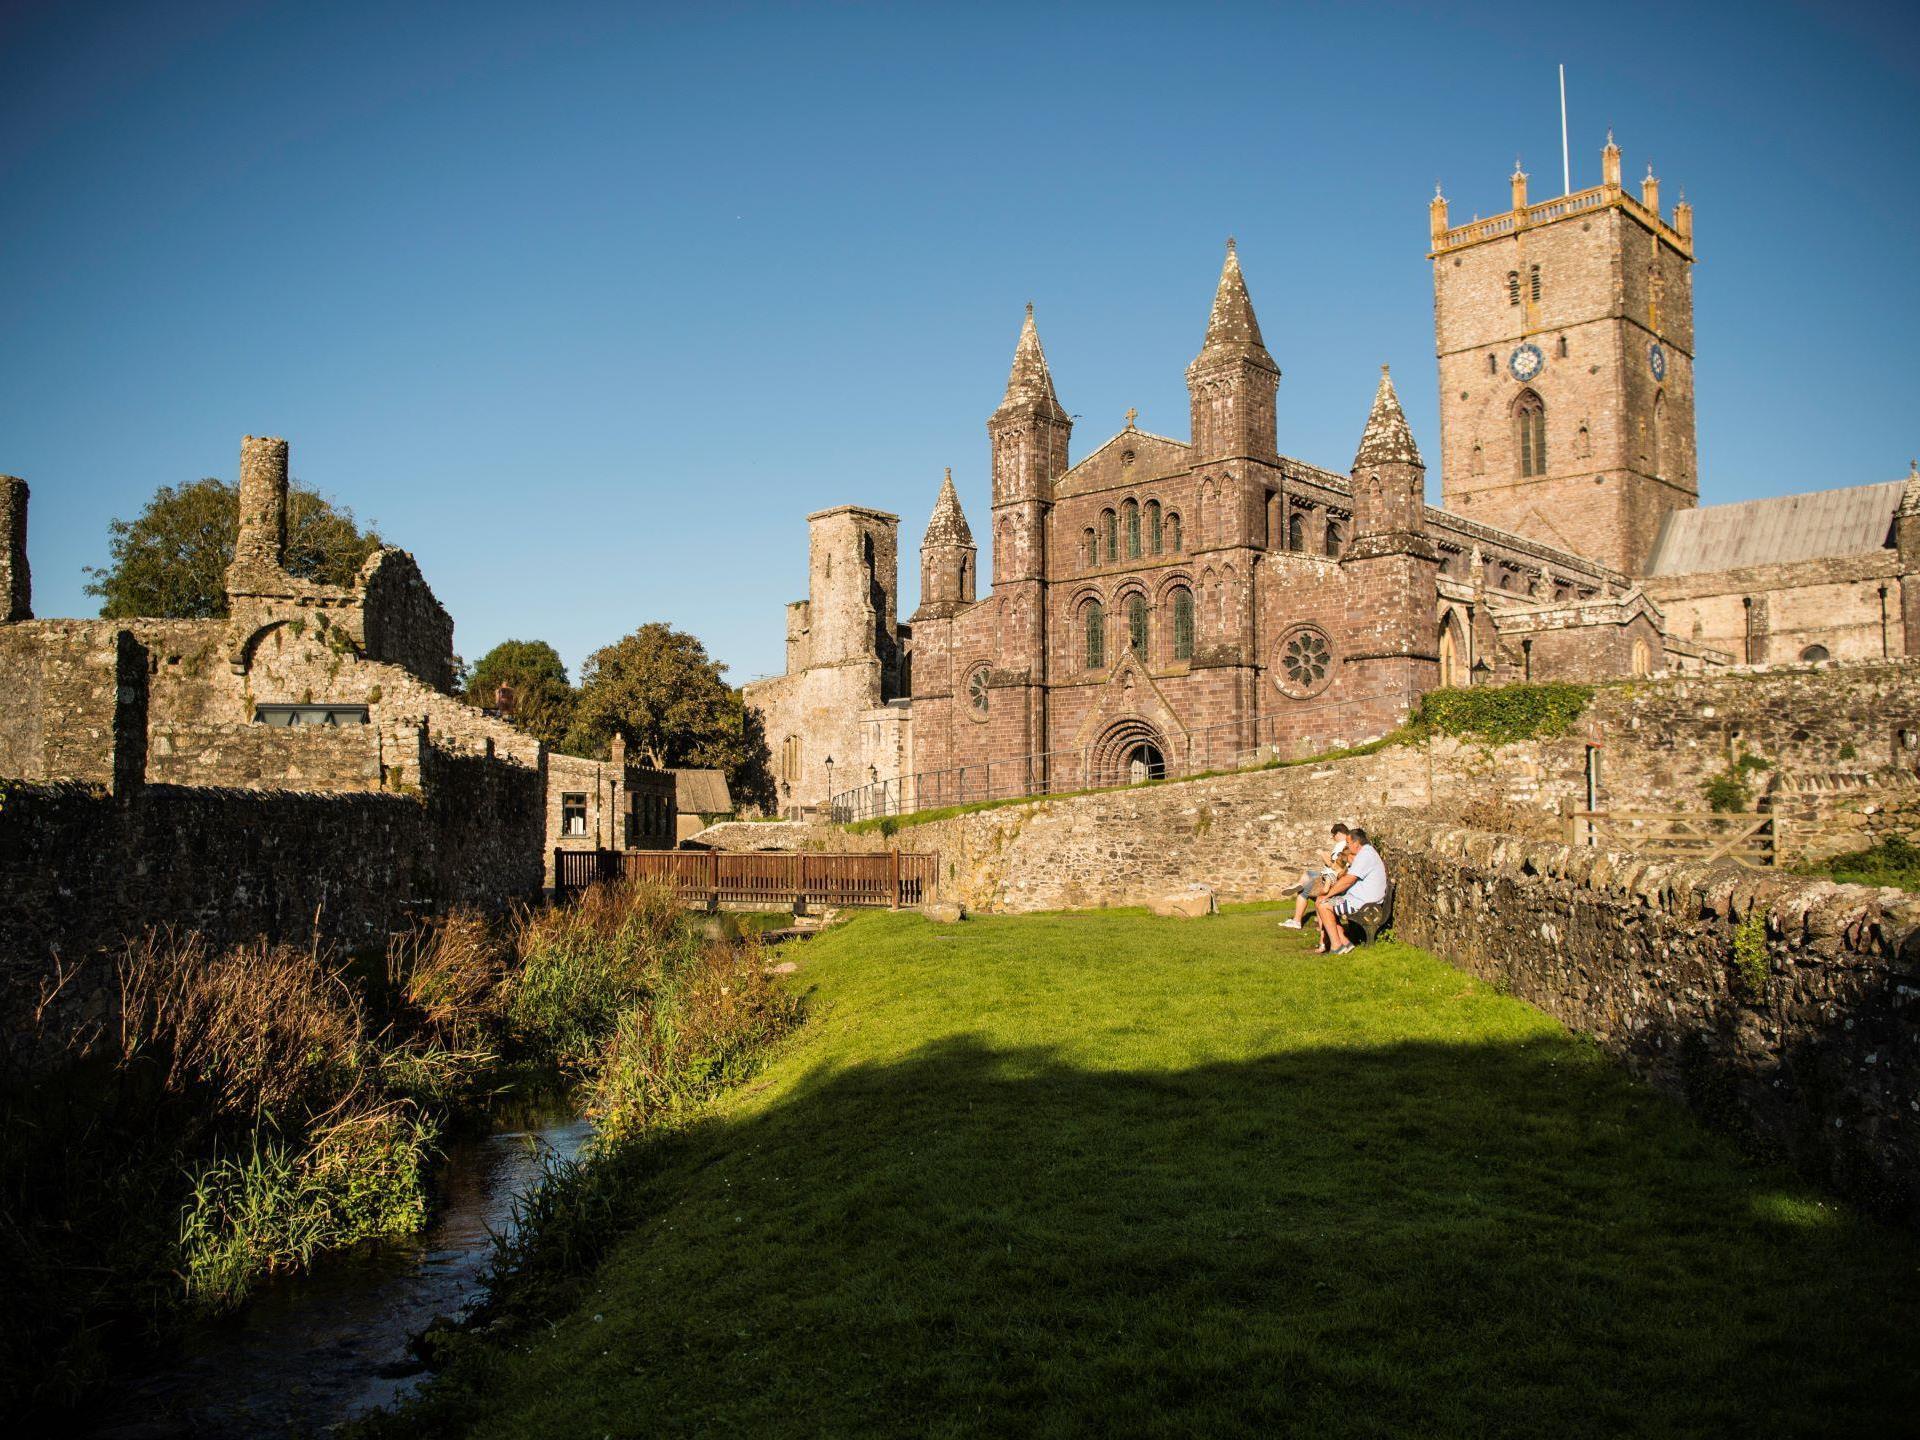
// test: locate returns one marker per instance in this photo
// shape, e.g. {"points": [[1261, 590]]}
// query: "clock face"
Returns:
{"points": [[1526, 362], [1657, 361]]}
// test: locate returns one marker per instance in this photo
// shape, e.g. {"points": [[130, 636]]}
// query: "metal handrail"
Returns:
{"points": [[1290, 734]]}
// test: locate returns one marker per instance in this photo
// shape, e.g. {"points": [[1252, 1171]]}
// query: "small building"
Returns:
{"points": [[607, 805], [702, 799]]}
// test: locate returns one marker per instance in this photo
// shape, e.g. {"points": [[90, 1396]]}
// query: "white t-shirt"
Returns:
{"points": [[1370, 877]]}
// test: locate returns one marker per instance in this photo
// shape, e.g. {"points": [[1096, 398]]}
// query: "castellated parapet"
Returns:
{"points": [[16, 580]]}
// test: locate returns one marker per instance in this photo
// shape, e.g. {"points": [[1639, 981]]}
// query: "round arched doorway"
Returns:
{"points": [[1128, 752]]}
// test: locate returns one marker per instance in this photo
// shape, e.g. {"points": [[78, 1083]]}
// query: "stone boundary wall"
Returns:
{"points": [[82, 869], [1818, 1061]]}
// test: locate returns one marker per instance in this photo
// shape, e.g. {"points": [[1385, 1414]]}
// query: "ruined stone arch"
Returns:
{"points": [[1456, 655]]}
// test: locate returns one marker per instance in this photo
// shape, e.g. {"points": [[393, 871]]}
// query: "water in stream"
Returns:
{"points": [[311, 1350]]}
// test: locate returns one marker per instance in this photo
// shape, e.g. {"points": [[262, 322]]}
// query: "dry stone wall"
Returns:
{"points": [[1813, 1052]]}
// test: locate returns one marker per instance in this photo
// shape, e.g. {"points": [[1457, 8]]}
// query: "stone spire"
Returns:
{"points": [[1030, 383], [1231, 326], [1387, 439], [948, 525]]}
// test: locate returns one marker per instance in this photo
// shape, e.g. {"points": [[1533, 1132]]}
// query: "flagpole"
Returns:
{"points": [[1566, 170]]}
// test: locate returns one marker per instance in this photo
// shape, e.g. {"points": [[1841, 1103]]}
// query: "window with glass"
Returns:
{"points": [[1155, 540], [573, 813], [1530, 420], [1137, 624], [1130, 523], [1173, 531], [1110, 536], [1095, 623], [286, 717], [1183, 624]]}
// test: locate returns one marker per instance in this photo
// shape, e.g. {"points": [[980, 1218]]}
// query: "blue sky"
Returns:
{"points": [[588, 306]]}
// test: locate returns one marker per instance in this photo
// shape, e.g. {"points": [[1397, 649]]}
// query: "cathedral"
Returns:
{"points": [[1164, 606]]}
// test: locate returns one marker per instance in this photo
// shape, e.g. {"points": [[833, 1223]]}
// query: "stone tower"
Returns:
{"points": [[262, 544], [1392, 563], [1028, 432], [948, 558], [1565, 337], [850, 615], [16, 584], [1233, 381]]}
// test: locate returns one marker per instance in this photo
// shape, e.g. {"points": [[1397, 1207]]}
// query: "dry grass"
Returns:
{"points": [[448, 974], [257, 1030]]}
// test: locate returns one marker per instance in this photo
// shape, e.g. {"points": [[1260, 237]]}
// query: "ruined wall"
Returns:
{"points": [[257, 757], [1849, 605], [402, 623], [1816, 1057]]}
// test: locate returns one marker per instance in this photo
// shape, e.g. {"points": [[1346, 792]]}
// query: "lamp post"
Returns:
{"points": [[829, 787]]}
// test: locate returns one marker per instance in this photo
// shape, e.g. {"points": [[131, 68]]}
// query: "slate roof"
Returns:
{"points": [[702, 792], [1770, 532]]}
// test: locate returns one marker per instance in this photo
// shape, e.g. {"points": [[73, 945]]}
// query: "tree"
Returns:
{"points": [[171, 560], [543, 701], [658, 688]]}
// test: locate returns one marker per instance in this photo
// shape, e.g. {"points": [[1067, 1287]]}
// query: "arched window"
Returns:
{"points": [[1479, 460], [1642, 658], [1493, 365], [1296, 531], [1813, 654], [1137, 624], [1449, 657], [1183, 624], [1154, 539], [1513, 287], [1653, 440], [1089, 548], [1582, 443], [1130, 523], [1333, 538], [1530, 423], [1095, 620], [1533, 276], [1109, 537], [1173, 531]]}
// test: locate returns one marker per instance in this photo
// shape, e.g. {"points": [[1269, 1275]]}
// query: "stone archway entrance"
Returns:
{"points": [[1127, 752]]}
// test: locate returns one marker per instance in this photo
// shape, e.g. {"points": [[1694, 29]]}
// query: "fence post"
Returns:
{"points": [[713, 880], [895, 902]]}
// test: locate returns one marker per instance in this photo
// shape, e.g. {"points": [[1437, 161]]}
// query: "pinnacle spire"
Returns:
{"points": [[948, 525], [1231, 324], [1030, 383], [1387, 440]]}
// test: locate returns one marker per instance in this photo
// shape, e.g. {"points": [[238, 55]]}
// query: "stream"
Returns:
{"points": [[308, 1351]]}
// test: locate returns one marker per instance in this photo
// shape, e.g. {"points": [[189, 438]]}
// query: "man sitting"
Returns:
{"points": [[1364, 884], [1313, 883]]}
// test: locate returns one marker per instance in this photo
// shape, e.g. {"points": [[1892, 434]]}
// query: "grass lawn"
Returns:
{"points": [[1104, 1174]]}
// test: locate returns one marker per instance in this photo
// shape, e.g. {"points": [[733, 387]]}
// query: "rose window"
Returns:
{"points": [[1305, 659], [977, 691]]}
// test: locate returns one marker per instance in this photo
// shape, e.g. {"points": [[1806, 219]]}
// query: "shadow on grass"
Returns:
{"points": [[1486, 1239]]}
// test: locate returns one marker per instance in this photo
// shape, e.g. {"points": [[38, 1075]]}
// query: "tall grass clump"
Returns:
{"points": [[580, 965]]}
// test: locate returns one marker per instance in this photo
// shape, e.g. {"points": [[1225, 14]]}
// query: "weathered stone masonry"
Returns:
{"points": [[1818, 1062]]}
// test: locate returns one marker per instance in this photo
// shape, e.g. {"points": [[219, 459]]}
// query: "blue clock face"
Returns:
{"points": [[1526, 362], [1657, 361]]}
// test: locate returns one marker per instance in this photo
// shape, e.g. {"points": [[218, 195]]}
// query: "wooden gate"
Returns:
{"points": [[1750, 837], [773, 881]]}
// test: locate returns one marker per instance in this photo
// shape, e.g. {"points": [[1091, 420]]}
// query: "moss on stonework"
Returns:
{"points": [[1501, 714]]}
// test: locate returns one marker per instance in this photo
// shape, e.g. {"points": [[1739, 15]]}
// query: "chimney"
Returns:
{"points": [[16, 581], [263, 504], [618, 750]]}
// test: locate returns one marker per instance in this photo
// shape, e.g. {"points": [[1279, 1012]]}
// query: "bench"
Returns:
{"points": [[1370, 920]]}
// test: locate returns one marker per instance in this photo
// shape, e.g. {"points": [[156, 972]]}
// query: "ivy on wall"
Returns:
{"points": [[1500, 714]]}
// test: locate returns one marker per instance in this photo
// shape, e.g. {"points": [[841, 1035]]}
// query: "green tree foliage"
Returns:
{"points": [[543, 699], [171, 560], [659, 689]]}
